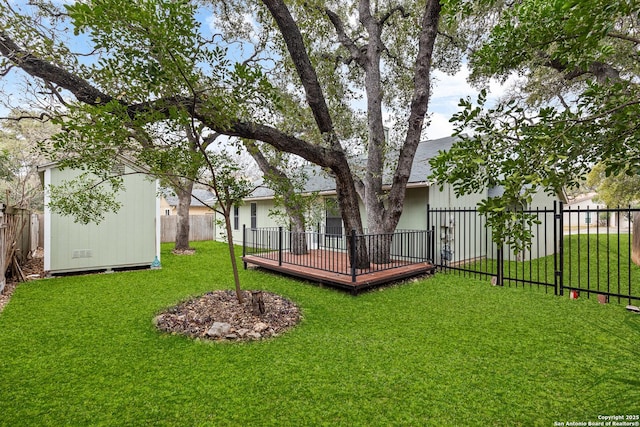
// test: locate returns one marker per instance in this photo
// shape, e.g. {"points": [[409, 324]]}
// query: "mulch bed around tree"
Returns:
{"points": [[219, 316]]}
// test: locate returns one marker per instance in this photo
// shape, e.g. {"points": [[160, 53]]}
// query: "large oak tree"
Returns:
{"points": [[153, 65]]}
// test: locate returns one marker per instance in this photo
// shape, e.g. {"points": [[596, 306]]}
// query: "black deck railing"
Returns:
{"points": [[326, 249]]}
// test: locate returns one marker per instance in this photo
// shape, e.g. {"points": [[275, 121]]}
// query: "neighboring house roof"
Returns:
{"points": [[197, 198], [320, 181], [584, 199]]}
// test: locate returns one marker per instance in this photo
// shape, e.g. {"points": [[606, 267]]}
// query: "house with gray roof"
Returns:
{"points": [[201, 200], [257, 211]]}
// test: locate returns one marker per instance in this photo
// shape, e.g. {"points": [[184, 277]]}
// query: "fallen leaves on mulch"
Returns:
{"points": [[196, 317]]}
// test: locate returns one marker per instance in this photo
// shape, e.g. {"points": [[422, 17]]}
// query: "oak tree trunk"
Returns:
{"points": [[298, 235], [184, 202], [350, 211], [380, 248], [382, 219]]}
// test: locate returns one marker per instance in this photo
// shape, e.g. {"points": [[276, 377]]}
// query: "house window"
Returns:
{"points": [[236, 218], [333, 221], [254, 215]]}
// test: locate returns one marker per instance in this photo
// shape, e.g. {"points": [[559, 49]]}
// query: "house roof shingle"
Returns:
{"points": [[319, 181]]}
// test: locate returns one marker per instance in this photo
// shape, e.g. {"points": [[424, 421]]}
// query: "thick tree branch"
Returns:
{"points": [[601, 71], [389, 14], [42, 117], [197, 106], [419, 104], [306, 72], [344, 39], [272, 173], [334, 158], [626, 37], [321, 156], [86, 93], [37, 67], [6, 70]]}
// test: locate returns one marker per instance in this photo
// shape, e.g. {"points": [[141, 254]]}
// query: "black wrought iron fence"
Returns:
{"points": [[597, 253], [328, 249], [585, 251]]}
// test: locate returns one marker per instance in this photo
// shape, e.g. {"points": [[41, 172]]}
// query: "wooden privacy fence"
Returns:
{"points": [[201, 227], [15, 241], [4, 239]]}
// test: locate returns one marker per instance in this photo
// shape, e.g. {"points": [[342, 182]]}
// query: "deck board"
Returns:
{"points": [[299, 266]]}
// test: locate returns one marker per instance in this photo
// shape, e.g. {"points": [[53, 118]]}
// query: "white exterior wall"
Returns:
{"points": [[454, 233], [580, 219], [263, 220], [465, 235]]}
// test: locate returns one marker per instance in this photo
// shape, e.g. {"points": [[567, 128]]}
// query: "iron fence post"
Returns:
{"points": [[560, 252], [353, 255], [280, 246], [629, 249], [244, 245], [500, 265], [432, 244], [556, 246]]}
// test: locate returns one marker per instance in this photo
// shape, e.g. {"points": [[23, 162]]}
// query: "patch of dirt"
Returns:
{"points": [[183, 251], [5, 296], [33, 268], [218, 316]]}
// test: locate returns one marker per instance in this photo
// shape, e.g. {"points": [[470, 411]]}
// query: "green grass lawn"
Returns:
{"points": [[448, 350]]}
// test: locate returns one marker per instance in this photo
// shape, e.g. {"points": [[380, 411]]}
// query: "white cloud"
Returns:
{"points": [[439, 126], [452, 85], [448, 90]]}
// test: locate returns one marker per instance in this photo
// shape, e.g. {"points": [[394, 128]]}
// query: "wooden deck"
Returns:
{"points": [[299, 266]]}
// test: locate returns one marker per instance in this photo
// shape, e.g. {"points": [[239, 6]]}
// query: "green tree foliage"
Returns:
{"points": [[19, 158], [150, 63], [576, 104], [614, 190]]}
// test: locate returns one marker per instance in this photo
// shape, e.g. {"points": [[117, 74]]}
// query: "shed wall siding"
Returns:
{"points": [[123, 239]]}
